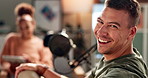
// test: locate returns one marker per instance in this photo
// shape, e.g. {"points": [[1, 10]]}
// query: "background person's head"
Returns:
{"points": [[24, 8], [25, 19]]}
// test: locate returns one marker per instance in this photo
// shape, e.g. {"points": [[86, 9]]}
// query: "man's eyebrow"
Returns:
{"points": [[115, 23], [99, 19]]}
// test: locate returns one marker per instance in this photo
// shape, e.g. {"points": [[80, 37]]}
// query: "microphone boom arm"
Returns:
{"points": [[83, 56]]}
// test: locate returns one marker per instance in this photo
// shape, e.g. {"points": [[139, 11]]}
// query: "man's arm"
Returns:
{"points": [[41, 69]]}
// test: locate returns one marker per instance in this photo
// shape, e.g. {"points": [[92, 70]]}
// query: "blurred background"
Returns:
{"points": [[77, 17]]}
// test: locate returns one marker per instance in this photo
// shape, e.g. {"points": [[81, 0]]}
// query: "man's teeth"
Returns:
{"points": [[102, 41]]}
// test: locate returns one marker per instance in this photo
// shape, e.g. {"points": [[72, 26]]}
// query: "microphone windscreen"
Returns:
{"points": [[59, 45]]}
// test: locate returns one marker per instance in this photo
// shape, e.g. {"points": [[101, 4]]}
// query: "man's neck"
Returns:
{"points": [[119, 53]]}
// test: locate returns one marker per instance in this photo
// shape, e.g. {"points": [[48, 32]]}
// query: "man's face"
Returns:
{"points": [[112, 31], [26, 26]]}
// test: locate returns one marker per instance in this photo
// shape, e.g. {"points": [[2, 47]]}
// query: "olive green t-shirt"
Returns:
{"points": [[128, 66]]}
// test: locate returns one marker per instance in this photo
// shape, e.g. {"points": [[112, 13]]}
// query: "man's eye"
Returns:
{"points": [[113, 26]]}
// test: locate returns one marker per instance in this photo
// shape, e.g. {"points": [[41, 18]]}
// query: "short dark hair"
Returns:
{"points": [[24, 8], [131, 6]]}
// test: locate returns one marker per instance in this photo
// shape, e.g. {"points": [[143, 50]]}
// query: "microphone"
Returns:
{"points": [[60, 45]]}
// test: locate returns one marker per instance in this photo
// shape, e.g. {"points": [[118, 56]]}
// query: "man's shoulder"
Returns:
{"points": [[130, 69], [125, 66], [122, 73], [117, 71], [129, 60]]}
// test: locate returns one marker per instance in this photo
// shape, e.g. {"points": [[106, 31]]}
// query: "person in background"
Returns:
{"points": [[115, 31], [24, 43]]}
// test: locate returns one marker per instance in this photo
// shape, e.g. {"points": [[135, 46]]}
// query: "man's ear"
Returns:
{"points": [[132, 32]]}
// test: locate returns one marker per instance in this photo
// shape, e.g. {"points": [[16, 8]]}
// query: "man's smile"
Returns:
{"points": [[101, 41]]}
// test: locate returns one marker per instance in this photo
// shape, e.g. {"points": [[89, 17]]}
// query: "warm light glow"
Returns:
{"points": [[76, 6], [97, 10]]}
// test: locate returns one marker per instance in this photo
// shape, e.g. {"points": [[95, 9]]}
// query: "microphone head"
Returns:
{"points": [[59, 45]]}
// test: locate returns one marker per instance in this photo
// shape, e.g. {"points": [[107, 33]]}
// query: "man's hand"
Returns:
{"points": [[38, 68]]}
